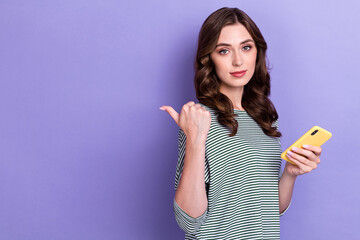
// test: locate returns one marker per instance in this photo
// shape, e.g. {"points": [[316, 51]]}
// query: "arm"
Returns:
{"points": [[286, 184], [306, 160], [190, 202], [286, 187], [190, 194]]}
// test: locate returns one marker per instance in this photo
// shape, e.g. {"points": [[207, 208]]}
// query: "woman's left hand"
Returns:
{"points": [[305, 163]]}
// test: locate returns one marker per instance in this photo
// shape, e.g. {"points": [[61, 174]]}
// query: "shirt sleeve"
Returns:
{"points": [[276, 124], [279, 141], [187, 223]]}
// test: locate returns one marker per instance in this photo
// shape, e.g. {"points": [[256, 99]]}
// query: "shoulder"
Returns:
{"points": [[276, 124]]}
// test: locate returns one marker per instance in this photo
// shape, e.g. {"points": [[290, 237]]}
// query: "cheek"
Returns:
{"points": [[221, 65], [252, 60], [221, 71], [254, 57]]}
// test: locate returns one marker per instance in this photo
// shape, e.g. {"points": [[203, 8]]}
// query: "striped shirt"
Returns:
{"points": [[241, 179]]}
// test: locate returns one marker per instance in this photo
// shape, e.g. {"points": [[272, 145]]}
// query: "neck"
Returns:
{"points": [[234, 94]]}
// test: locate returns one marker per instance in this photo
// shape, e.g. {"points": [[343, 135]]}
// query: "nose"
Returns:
{"points": [[237, 59]]}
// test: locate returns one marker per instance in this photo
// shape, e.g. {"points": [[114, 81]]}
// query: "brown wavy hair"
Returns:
{"points": [[207, 84]]}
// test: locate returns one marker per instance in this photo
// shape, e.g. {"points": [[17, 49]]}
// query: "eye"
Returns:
{"points": [[248, 46], [223, 51]]}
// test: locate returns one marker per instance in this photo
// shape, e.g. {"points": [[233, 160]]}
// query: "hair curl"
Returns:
{"points": [[207, 84]]}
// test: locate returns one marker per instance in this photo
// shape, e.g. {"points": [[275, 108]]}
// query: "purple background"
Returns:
{"points": [[87, 154]]}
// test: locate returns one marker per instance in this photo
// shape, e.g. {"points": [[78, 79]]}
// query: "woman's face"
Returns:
{"points": [[235, 51]]}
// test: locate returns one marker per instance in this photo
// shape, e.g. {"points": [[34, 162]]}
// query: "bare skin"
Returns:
{"points": [[195, 121], [235, 51]]}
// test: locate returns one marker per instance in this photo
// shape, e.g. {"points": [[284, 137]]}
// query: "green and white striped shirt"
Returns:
{"points": [[241, 179]]}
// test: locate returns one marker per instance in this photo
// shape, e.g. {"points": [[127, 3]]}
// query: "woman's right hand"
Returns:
{"points": [[193, 119]]}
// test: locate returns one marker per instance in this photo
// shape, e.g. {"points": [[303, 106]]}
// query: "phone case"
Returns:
{"points": [[316, 136]]}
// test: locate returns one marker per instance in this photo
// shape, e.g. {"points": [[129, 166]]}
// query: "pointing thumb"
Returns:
{"points": [[172, 113]]}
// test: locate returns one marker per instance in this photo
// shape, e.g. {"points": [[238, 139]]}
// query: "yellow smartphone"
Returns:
{"points": [[316, 136]]}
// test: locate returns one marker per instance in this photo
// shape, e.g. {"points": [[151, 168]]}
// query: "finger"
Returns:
{"points": [[315, 149], [190, 103], [172, 113], [304, 168], [187, 105], [197, 105], [301, 159], [307, 153]]}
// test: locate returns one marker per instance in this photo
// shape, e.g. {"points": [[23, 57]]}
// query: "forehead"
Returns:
{"points": [[234, 34]]}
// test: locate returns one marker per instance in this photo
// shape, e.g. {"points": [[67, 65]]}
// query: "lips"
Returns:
{"points": [[238, 73]]}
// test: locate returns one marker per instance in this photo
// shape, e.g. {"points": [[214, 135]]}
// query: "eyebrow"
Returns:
{"points": [[228, 45]]}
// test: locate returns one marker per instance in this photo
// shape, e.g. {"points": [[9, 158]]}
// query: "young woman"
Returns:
{"points": [[227, 181]]}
